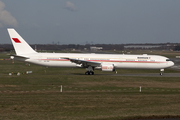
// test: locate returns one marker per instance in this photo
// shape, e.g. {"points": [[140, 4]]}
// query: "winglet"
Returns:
{"points": [[20, 45]]}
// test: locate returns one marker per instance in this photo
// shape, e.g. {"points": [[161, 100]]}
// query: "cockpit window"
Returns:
{"points": [[168, 60]]}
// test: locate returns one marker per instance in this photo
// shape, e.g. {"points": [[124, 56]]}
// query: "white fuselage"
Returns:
{"points": [[117, 60], [105, 62]]}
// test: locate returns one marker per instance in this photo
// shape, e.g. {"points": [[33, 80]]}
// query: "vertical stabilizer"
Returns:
{"points": [[20, 45]]}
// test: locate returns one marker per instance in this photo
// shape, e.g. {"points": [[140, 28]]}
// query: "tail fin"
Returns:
{"points": [[20, 45]]}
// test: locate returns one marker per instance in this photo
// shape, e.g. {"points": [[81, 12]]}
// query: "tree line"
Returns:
{"points": [[118, 47]]}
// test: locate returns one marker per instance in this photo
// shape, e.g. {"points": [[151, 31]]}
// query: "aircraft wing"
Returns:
{"points": [[84, 62]]}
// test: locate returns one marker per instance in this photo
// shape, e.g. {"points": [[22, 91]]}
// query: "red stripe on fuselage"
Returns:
{"points": [[16, 40], [116, 61]]}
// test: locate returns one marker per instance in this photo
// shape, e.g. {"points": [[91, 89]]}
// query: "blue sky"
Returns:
{"points": [[91, 21]]}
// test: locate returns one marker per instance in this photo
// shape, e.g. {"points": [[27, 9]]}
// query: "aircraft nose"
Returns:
{"points": [[171, 63]]}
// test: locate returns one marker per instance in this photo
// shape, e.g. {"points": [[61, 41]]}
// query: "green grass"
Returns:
{"points": [[99, 97]]}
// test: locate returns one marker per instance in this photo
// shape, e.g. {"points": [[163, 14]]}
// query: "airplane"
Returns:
{"points": [[90, 61]]}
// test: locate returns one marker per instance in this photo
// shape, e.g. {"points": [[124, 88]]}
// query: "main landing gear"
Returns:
{"points": [[89, 71]]}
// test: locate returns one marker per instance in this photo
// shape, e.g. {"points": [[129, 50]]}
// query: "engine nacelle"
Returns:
{"points": [[107, 67]]}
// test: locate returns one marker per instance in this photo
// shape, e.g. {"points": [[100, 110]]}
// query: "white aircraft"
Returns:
{"points": [[104, 62]]}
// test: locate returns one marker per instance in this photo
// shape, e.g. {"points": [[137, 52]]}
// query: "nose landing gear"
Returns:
{"points": [[161, 71]]}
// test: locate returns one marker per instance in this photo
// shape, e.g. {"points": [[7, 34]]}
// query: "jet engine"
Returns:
{"points": [[107, 67]]}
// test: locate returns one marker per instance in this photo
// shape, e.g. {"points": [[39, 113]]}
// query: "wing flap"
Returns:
{"points": [[85, 63]]}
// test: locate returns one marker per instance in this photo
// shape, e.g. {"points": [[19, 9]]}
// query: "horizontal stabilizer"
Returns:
{"points": [[17, 56]]}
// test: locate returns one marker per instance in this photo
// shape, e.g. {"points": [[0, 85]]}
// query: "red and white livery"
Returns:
{"points": [[104, 62]]}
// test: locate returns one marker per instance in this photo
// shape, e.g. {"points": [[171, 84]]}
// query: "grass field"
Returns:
{"points": [[37, 96]]}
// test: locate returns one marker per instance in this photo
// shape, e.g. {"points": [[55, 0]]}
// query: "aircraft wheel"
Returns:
{"points": [[91, 73], [161, 71], [87, 73]]}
